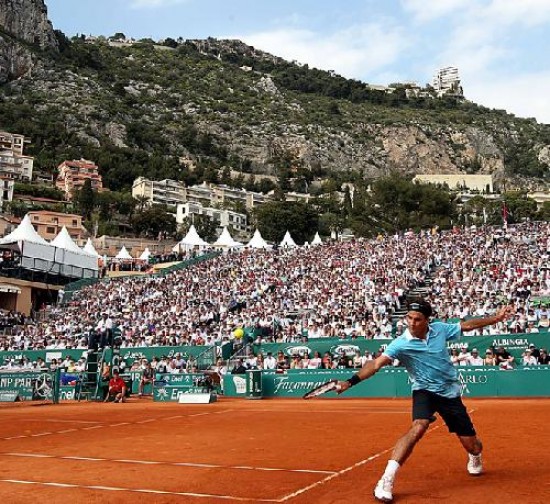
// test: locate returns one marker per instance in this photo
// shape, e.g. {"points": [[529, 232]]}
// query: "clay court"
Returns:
{"points": [[319, 451]]}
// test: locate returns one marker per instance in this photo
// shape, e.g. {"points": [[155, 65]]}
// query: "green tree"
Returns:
{"points": [[205, 226], [85, 200], [154, 221], [275, 218]]}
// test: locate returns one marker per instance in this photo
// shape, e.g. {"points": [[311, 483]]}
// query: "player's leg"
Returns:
{"points": [[458, 421], [423, 410]]}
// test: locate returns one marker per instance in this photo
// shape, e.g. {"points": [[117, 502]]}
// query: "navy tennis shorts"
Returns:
{"points": [[453, 411]]}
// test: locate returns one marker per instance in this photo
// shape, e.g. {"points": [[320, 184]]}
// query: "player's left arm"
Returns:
{"points": [[478, 323]]}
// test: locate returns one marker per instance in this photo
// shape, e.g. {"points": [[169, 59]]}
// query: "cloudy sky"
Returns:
{"points": [[499, 46]]}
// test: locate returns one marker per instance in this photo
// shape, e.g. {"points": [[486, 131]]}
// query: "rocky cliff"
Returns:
{"points": [[24, 27], [153, 110]]}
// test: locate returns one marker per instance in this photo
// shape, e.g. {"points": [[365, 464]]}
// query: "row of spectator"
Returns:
{"points": [[344, 290]]}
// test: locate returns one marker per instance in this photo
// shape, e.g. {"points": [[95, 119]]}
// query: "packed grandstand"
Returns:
{"points": [[346, 290]]}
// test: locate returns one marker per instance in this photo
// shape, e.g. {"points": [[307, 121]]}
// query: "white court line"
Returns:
{"points": [[155, 462], [135, 490], [103, 425], [59, 421], [365, 411], [343, 471]]}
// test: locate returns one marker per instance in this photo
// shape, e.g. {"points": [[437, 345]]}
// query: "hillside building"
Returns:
{"points": [[73, 174], [48, 224], [447, 82], [161, 192], [6, 190], [237, 221], [13, 163]]}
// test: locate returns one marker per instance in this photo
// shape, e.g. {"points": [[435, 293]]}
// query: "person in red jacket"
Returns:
{"points": [[117, 388]]}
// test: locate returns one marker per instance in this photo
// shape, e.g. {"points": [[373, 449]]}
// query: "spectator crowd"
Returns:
{"points": [[353, 289]]}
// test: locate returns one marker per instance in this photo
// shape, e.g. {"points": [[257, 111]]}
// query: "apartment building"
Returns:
{"points": [[213, 195], [72, 175], [13, 163], [48, 224], [447, 81], [6, 190], [237, 221], [161, 192], [171, 192]]}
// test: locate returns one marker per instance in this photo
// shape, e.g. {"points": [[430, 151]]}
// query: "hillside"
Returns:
{"points": [[189, 108]]}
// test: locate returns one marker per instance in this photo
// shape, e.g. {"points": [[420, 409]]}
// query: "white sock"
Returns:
{"points": [[391, 469]]}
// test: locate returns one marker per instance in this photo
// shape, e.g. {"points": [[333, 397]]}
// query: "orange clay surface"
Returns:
{"points": [[283, 450]]}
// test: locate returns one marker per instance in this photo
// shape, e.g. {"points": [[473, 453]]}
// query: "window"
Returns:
{"points": [[75, 223], [50, 229]]}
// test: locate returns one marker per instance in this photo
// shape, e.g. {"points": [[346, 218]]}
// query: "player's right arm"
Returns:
{"points": [[369, 369]]}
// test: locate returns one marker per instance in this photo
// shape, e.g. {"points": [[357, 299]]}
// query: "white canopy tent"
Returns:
{"points": [[190, 240], [89, 247], [288, 241], [123, 254], [257, 241], [317, 239], [145, 254], [226, 240], [71, 256], [36, 254]]}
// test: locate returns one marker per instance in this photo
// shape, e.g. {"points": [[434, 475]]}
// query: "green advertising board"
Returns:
{"points": [[171, 386], [128, 355], [27, 386], [514, 343], [395, 382]]}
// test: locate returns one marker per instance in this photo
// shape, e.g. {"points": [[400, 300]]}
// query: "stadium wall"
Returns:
{"points": [[476, 382]]}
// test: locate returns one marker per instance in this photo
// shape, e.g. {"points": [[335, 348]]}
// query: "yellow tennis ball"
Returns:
{"points": [[238, 333]]}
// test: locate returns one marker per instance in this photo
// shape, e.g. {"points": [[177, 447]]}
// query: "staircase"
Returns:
{"points": [[418, 292]]}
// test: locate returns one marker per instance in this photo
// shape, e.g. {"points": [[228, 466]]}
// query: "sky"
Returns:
{"points": [[500, 47]]}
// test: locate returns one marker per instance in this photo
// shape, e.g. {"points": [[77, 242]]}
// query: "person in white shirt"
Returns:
{"points": [[528, 359], [463, 357], [475, 359], [270, 362], [315, 362], [104, 329]]}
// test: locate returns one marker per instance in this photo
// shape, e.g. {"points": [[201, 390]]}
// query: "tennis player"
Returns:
{"points": [[422, 349]]}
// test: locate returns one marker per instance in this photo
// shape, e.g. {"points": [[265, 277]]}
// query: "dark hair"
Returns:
{"points": [[420, 306]]}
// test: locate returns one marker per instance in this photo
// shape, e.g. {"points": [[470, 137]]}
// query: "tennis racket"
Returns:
{"points": [[331, 385]]}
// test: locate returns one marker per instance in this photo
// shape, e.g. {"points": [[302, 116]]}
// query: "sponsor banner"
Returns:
{"points": [[336, 347], [67, 393], [395, 382], [128, 355], [27, 386], [172, 394], [514, 343], [170, 387]]}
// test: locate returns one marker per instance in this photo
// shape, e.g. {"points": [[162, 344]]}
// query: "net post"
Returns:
{"points": [[56, 385]]}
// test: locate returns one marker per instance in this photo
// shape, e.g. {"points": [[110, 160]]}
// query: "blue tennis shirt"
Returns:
{"points": [[428, 361]]}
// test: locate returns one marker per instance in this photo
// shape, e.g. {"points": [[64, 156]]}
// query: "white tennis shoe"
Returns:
{"points": [[475, 464], [383, 489]]}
